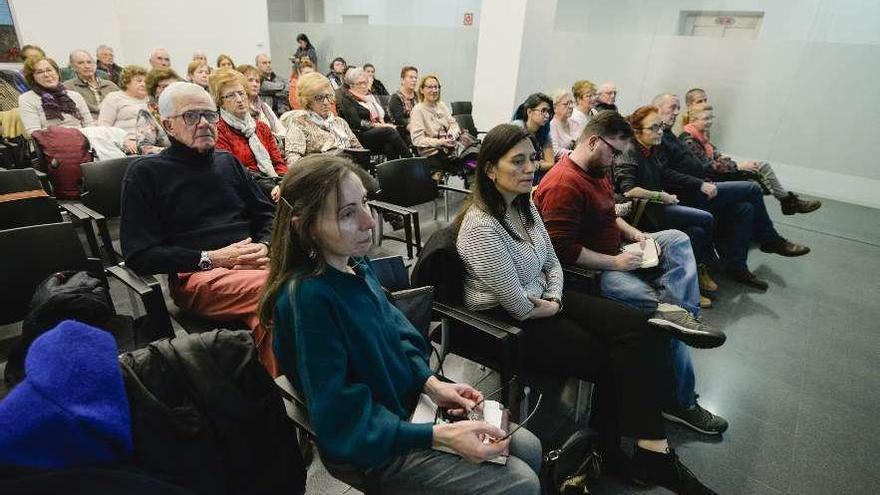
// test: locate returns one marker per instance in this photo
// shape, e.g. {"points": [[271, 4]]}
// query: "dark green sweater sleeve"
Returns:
{"points": [[351, 427]]}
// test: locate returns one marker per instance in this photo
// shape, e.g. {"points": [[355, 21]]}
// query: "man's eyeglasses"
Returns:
{"points": [[193, 117], [615, 152], [325, 98], [239, 94]]}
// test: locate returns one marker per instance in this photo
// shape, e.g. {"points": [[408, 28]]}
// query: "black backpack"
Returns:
{"points": [[68, 295]]}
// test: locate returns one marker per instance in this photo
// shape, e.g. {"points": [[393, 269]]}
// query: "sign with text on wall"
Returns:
{"points": [[468, 18]]}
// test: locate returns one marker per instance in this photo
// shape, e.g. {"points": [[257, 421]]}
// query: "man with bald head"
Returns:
{"points": [[195, 214], [273, 90], [160, 59], [606, 97], [86, 82]]}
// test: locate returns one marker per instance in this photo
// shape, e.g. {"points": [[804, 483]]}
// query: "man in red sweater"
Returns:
{"points": [[576, 202]]}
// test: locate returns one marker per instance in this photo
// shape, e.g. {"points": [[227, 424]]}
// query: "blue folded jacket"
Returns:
{"points": [[71, 410]]}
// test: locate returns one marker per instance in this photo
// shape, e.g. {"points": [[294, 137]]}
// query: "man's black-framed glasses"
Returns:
{"points": [[193, 117], [615, 152]]}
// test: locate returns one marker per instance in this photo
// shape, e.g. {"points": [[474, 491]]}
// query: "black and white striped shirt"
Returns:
{"points": [[502, 270]]}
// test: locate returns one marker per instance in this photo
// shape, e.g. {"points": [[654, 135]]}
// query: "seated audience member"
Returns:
{"points": [[224, 61], [534, 115], [159, 59], [577, 205], [259, 109], [196, 215], [304, 48], [105, 63], [315, 129], [359, 362], [563, 130], [376, 87], [28, 51], [606, 96], [197, 72], [403, 100], [740, 203], [366, 117], [584, 93], [202, 57], [151, 136], [512, 272], [92, 88], [303, 68], [338, 67], [273, 89], [48, 102], [120, 109], [721, 167], [642, 173], [433, 130], [694, 96], [249, 140]]}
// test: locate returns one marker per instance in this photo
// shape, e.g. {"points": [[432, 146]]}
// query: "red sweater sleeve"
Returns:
{"points": [[268, 140], [560, 207]]}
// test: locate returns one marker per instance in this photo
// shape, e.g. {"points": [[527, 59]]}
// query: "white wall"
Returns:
{"points": [[438, 13], [803, 95], [134, 27], [448, 52]]}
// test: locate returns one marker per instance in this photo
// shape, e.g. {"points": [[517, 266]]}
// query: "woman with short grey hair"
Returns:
{"points": [[367, 118], [563, 130]]}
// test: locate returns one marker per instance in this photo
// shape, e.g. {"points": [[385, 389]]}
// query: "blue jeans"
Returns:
{"points": [[742, 217], [673, 281], [698, 225]]}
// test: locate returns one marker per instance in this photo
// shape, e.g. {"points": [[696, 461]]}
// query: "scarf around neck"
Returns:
{"points": [[341, 139], [369, 103], [701, 138], [248, 128], [56, 102]]}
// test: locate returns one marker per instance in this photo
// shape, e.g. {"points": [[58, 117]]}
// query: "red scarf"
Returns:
{"points": [[369, 105], [702, 139]]}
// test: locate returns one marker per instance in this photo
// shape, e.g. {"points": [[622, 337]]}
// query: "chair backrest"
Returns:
{"points": [[383, 100], [440, 266], [406, 182], [391, 272], [466, 122], [19, 180], [29, 211], [30, 254], [102, 185], [461, 107]]}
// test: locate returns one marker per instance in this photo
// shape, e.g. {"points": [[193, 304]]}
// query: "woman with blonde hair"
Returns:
{"points": [[431, 127], [224, 61], [197, 72], [315, 129]]}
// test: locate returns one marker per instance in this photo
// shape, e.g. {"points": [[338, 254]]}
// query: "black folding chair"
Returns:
{"points": [[461, 107], [405, 183], [102, 200]]}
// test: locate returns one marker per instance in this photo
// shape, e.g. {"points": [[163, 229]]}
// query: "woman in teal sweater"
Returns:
{"points": [[359, 362]]}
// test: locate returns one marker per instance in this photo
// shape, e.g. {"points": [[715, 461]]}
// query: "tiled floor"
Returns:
{"points": [[798, 377]]}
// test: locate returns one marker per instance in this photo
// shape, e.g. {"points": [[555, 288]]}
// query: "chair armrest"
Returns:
{"points": [[103, 230], [581, 279], [481, 322], [150, 292], [296, 410], [389, 207], [444, 187]]}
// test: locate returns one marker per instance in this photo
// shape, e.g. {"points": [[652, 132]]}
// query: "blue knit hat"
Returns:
{"points": [[71, 410]]}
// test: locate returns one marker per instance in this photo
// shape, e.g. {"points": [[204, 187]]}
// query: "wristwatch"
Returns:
{"points": [[557, 301], [205, 262]]}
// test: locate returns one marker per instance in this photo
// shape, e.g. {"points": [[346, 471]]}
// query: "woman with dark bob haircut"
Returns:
{"points": [[512, 273], [359, 362], [534, 115]]}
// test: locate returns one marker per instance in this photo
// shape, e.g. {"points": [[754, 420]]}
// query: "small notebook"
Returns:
{"points": [[493, 413], [650, 258]]}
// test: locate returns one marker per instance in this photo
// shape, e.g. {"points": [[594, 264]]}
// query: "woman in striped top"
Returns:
{"points": [[513, 273]]}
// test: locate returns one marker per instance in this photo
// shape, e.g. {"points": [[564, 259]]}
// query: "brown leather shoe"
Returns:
{"points": [[784, 247], [746, 277], [705, 302], [792, 204], [706, 282]]}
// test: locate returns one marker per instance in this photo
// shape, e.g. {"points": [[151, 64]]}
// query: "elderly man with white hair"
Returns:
{"points": [[86, 82], [606, 97], [196, 215], [160, 59], [107, 63]]}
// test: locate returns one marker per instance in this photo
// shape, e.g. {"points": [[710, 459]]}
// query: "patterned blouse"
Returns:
{"points": [[308, 133]]}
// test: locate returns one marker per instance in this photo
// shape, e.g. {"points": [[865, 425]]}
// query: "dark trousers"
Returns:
{"points": [[741, 216], [609, 344], [384, 140], [698, 225]]}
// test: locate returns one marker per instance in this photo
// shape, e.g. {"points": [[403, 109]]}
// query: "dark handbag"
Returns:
{"points": [[646, 215], [416, 304], [568, 469]]}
